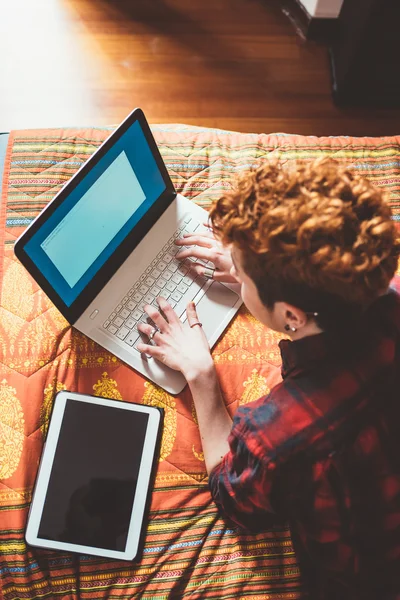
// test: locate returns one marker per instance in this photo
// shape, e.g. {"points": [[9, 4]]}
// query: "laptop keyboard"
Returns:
{"points": [[166, 277]]}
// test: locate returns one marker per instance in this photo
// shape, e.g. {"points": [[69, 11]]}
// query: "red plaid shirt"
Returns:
{"points": [[322, 452]]}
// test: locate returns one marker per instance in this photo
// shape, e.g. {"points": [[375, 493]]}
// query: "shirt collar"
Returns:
{"points": [[382, 318], [299, 354]]}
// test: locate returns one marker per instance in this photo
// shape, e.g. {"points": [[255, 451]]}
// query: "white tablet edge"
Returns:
{"points": [[46, 464]]}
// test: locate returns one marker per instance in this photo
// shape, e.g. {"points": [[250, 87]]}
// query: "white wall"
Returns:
{"points": [[322, 9]]}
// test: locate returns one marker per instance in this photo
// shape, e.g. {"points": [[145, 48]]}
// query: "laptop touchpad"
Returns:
{"points": [[214, 305]]}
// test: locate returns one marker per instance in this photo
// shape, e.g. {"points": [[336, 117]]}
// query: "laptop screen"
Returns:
{"points": [[97, 215]]}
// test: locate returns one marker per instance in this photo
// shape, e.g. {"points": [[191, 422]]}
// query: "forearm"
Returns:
{"points": [[214, 421]]}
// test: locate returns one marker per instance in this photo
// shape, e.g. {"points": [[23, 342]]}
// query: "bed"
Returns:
{"points": [[189, 551]]}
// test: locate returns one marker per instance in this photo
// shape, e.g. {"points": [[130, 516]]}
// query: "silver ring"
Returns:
{"points": [[153, 333], [209, 273]]}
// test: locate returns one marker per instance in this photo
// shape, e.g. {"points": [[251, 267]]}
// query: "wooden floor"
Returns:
{"points": [[233, 64]]}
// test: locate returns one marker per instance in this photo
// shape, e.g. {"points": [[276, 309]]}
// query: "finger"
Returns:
{"points": [[155, 316], [196, 240], [168, 311], [153, 351], [218, 275], [197, 252], [146, 329], [192, 317], [203, 234]]}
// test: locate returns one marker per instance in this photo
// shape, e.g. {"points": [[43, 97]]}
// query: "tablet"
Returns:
{"points": [[94, 476]]}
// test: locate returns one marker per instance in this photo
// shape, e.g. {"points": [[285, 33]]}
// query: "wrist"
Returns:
{"points": [[197, 373]]}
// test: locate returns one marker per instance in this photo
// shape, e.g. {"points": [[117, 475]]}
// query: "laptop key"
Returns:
{"points": [[124, 314], [150, 281], [112, 316], [118, 321], [182, 288], [143, 289], [167, 274], [183, 269], [173, 266], [188, 279], [176, 296], [106, 324], [122, 333], [130, 323], [190, 294], [132, 337], [136, 314], [170, 286], [148, 299], [131, 305], [112, 329], [118, 307], [164, 294], [155, 273], [161, 266], [137, 297], [155, 290], [176, 278]]}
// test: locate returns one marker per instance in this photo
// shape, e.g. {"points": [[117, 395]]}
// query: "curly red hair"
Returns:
{"points": [[314, 226]]}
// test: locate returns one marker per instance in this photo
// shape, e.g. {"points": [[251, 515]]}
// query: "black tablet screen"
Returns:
{"points": [[93, 479]]}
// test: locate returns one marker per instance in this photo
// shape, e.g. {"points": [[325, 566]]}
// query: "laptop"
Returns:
{"points": [[104, 247]]}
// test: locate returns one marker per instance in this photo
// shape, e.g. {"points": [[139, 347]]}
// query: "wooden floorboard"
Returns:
{"points": [[232, 64]]}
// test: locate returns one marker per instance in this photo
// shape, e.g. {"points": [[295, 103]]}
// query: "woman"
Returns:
{"points": [[314, 249]]}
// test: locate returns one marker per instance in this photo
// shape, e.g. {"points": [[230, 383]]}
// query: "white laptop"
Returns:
{"points": [[104, 247]]}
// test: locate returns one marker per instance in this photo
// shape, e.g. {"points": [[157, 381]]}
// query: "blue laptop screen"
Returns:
{"points": [[93, 220]]}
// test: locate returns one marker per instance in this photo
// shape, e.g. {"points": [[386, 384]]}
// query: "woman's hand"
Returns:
{"points": [[204, 246], [178, 346]]}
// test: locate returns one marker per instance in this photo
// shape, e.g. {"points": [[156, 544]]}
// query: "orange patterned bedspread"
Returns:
{"points": [[190, 552]]}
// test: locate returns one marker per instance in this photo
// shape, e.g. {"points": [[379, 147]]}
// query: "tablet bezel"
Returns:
{"points": [[145, 473], [104, 274]]}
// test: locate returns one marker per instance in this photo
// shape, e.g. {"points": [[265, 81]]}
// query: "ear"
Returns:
{"points": [[293, 316]]}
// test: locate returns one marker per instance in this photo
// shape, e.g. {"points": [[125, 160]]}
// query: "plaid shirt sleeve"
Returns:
{"points": [[243, 484]]}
